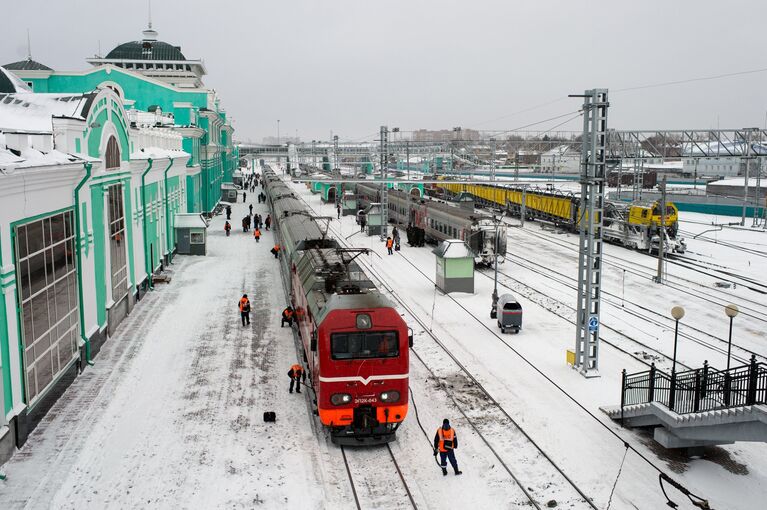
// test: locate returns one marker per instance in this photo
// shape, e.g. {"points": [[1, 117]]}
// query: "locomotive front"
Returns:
{"points": [[362, 384]]}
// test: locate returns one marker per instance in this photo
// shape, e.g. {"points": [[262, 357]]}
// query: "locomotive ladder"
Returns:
{"points": [[593, 167]]}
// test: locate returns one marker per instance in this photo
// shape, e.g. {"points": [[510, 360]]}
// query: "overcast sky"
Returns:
{"points": [[352, 65]]}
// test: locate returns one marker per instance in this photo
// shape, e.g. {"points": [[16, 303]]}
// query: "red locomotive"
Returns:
{"points": [[355, 343]]}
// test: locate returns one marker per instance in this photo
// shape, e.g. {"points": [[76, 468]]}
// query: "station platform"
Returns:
{"points": [[171, 414]]}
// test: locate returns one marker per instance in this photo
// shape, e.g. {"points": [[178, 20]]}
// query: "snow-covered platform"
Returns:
{"points": [[171, 414]]}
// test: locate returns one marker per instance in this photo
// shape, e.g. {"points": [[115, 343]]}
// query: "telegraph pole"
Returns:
{"points": [[661, 230]]}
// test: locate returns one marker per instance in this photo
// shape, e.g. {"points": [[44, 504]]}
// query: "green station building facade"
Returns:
{"points": [[94, 167]]}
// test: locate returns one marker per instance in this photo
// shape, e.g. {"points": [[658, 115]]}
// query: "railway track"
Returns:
{"points": [[755, 309], [740, 354], [373, 485], [543, 480]]}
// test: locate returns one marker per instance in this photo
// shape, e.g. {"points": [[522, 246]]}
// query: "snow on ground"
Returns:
{"points": [[170, 416], [731, 476]]}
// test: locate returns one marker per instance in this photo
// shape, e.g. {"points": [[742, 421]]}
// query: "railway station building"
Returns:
{"points": [[94, 166]]}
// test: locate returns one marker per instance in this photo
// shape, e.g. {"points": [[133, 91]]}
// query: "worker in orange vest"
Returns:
{"points": [[296, 373], [276, 250], [445, 443], [244, 306], [287, 316], [257, 234], [389, 245]]}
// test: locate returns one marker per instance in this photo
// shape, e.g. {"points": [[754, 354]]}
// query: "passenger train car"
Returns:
{"points": [[634, 225], [354, 342], [435, 221]]}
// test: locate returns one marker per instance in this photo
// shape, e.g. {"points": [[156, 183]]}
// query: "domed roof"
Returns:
{"points": [[146, 50]]}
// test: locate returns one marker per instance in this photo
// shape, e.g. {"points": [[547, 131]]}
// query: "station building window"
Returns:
{"points": [[118, 258], [47, 291]]}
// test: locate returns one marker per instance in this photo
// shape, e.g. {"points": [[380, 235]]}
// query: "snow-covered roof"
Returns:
{"points": [[32, 112], [190, 220], [158, 153], [10, 83], [739, 181], [560, 150], [453, 249]]}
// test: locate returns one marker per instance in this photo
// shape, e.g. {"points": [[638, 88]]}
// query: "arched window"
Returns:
{"points": [[114, 89], [113, 154]]}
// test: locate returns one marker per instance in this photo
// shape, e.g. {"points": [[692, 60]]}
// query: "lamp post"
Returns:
{"points": [[677, 313], [494, 309], [731, 311]]}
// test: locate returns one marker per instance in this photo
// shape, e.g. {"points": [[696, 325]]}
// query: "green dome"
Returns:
{"points": [[146, 50]]}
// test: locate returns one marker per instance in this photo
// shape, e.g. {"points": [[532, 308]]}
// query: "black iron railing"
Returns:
{"points": [[702, 389]]}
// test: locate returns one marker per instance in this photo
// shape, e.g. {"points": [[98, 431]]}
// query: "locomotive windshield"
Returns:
{"points": [[364, 345]]}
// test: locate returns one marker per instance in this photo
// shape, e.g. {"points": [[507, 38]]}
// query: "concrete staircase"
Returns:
{"points": [[672, 430]]}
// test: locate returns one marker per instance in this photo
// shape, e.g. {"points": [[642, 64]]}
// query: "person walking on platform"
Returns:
{"points": [[389, 245], [228, 212], [338, 209], [268, 221], [276, 251], [363, 220], [250, 207], [245, 224], [296, 373], [244, 194], [287, 316], [445, 443], [257, 234], [244, 306], [227, 228]]}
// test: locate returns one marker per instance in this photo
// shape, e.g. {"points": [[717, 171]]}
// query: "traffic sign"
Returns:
{"points": [[593, 323]]}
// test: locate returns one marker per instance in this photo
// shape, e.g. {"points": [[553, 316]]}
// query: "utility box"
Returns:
{"points": [[191, 234], [228, 192], [455, 266], [509, 314], [373, 218]]}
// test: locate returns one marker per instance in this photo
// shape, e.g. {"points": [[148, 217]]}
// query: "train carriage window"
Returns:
{"points": [[364, 345]]}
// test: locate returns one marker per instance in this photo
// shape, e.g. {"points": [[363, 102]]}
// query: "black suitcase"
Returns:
{"points": [[270, 416]]}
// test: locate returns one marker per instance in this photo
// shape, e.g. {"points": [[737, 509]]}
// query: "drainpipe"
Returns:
{"points": [[147, 262], [78, 256], [167, 213]]}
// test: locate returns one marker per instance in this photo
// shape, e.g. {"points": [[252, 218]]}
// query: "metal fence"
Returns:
{"points": [[703, 389]]}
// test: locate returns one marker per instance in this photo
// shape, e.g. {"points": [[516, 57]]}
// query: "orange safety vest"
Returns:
{"points": [[389, 243], [243, 302], [287, 313], [297, 370], [445, 435], [276, 247], [256, 233]]}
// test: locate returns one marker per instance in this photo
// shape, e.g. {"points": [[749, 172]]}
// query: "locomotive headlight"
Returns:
{"points": [[338, 399], [364, 321], [390, 396]]}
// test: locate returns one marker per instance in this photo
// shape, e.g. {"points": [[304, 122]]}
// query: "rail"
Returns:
{"points": [[698, 390]]}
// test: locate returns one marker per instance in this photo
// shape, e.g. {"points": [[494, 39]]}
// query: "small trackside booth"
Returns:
{"points": [[238, 178], [191, 234], [228, 192], [455, 266], [373, 219], [349, 203], [509, 313]]}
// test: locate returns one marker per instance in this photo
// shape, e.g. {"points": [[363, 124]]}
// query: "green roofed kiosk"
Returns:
{"points": [[455, 266]]}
